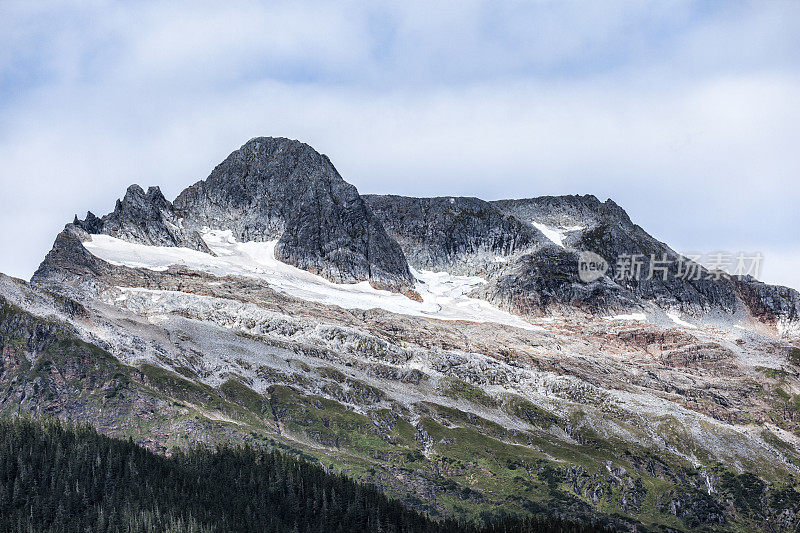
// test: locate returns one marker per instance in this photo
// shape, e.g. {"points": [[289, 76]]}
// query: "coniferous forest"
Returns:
{"points": [[65, 478]]}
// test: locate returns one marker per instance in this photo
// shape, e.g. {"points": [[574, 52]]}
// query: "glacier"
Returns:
{"points": [[444, 296]]}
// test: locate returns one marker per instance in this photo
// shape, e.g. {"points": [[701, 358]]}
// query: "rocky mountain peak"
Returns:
{"points": [[672, 391], [91, 224], [277, 188], [613, 209], [272, 188], [138, 205]]}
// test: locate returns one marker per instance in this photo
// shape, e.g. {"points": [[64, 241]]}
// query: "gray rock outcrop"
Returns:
{"points": [[457, 234], [145, 218], [275, 188]]}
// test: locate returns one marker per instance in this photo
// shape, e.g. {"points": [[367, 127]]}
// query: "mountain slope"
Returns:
{"points": [[73, 479], [501, 384]]}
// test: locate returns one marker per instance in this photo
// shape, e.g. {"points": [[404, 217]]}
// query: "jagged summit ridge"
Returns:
{"points": [[456, 234], [270, 188], [145, 218]]}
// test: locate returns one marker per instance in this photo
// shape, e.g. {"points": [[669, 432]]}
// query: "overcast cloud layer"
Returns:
{"points": [[686, 114]]}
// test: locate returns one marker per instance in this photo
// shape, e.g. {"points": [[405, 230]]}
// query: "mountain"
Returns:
{"points": [[269, 188], [451, 351]]}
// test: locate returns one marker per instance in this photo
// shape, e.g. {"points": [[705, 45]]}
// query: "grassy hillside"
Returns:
{"points": [[70, 478]]}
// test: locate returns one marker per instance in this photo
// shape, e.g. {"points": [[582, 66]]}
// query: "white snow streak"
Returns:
{"points": [[556, 235], [677, 319], [444, 296]]}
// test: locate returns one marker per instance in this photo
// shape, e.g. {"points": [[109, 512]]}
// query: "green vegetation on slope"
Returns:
{"points": [[70, 478], [448, 463]]}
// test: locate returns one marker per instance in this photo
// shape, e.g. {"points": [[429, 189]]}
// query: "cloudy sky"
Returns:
{"points": [[685, 113]]}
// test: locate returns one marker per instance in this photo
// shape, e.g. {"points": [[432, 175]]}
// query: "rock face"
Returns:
{"points": [[607, 230], [68, 260], [770, 303], [453, 233], [564, 211], [547, 280], [530, 274], [145, 218], [278, 188]]}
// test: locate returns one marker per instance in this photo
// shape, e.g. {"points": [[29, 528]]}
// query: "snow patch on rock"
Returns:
{"points": [[679, 321], [556, 235], [444, 296]]}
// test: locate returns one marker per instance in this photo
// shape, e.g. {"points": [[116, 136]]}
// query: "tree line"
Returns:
{"points": [[59, 477]]}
